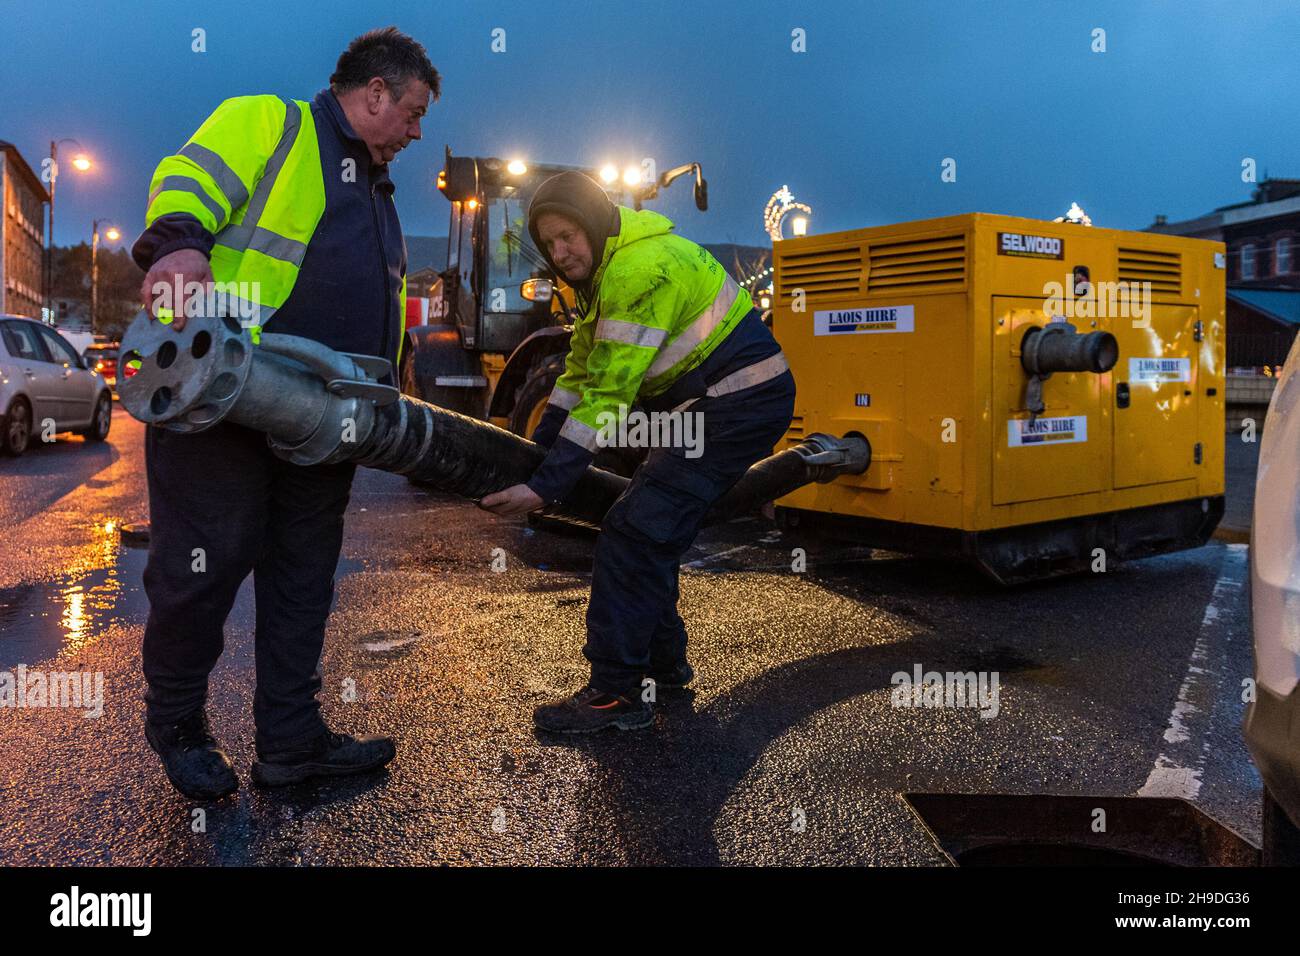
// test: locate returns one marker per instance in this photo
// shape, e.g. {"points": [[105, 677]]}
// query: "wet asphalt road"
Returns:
{"points": [[786, 751]]}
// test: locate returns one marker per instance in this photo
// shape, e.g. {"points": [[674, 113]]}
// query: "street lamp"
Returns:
{"points": [[81, 163], [112, 235]]}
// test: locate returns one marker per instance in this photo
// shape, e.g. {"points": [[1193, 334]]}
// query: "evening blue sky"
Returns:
{"points": [[858, 126]]}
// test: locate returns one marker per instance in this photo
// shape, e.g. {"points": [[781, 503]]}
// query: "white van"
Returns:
{"points": [[1273, 719]]}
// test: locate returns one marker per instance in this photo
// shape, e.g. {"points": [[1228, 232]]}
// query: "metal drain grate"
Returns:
{"points": [[976, 829]]}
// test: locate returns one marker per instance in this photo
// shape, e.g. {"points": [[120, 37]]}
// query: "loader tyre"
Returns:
{"points": [[531, 396], [406, 376]]}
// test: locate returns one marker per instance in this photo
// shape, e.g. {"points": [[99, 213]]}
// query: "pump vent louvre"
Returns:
{"points": [[823, 272], [1164, 270], [918, 266]]}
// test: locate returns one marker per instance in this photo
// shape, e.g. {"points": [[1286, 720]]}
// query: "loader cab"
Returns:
{"points": [[490, 253], [494, 353]]}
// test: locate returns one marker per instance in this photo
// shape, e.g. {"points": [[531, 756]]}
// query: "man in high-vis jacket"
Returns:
{"points": [[664, 328], [288, 206]]}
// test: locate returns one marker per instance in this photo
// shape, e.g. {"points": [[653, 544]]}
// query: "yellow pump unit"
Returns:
{"points": [[1040, 397]]}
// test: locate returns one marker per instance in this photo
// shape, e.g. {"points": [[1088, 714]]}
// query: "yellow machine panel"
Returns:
{"points": [[922, 337]]}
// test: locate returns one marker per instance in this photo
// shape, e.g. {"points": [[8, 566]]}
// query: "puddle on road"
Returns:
{"points": [[40, 621], [105, 588]]}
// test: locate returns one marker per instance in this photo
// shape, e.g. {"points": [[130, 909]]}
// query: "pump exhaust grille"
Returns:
{"points": [[823, 272], [918, 266], [1164, 270]]}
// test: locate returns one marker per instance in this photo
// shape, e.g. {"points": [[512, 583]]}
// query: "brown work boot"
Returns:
{"points": [[590, 710]]}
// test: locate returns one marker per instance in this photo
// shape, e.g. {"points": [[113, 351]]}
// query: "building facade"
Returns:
{"points": [[1263, 265], [22, 234]]}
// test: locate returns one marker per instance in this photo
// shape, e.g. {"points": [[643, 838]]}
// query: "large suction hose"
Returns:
{"points": [[317, 405]]}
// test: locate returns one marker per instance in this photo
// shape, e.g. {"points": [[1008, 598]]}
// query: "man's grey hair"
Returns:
{"points": [[390, 55]]}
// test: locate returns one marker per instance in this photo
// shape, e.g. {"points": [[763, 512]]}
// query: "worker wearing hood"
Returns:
{"points": [[660, 326]]}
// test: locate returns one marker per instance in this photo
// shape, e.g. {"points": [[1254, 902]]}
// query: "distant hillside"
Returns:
{"points": [[425, 251], [740, 261]]}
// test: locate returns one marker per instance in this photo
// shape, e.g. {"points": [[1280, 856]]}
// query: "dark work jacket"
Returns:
{"points": [[749, 342], [346, 295]]}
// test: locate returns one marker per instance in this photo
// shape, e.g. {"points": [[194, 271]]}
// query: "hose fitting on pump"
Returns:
{"points": [[1058, 347]]}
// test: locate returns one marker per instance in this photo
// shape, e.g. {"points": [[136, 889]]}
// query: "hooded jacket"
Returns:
{"points": [[577, 197], [655, 308]]}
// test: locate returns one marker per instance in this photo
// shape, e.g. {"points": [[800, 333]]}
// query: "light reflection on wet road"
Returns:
{"points": [[791, 711]]}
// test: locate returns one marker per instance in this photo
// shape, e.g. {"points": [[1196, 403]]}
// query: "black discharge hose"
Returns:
{"points": [[767, 480], [464, 456], [471, 458]]}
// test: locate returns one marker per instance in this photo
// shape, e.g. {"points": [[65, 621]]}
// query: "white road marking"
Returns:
{"points": [[1179, 768]]}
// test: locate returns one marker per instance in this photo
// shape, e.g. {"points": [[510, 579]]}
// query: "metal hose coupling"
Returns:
{"points": [[1058, 347], [189, 379], [827, 457], [818, 458]]}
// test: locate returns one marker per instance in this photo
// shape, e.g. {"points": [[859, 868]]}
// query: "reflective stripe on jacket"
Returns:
{"points": [[662, 303], [252, 177]]}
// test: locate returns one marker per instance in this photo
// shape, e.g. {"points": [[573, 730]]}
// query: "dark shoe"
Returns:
{"points": [[195, 763], [674, 679], [590, 710], [330, 755]]}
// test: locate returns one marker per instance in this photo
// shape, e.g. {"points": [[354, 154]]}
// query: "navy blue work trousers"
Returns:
{"points": [[633, 627], [221, 505]]}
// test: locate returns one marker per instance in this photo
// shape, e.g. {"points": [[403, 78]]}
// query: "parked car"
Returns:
{"points": [[79, 338], [42, 381], [102, 357], [1273, 718]]}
